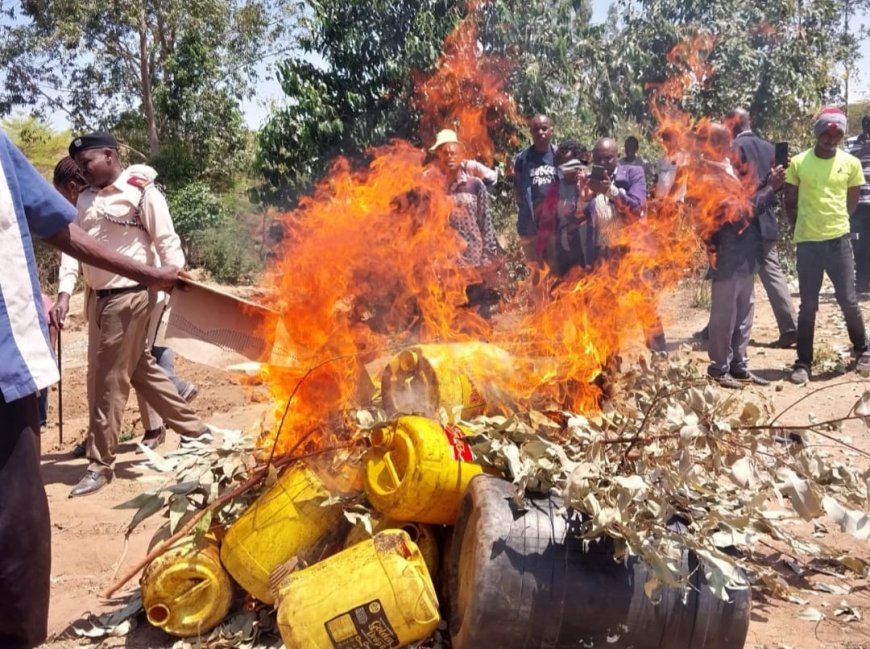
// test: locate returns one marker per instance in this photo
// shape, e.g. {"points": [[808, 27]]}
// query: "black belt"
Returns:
{"points": [[108, 292]]}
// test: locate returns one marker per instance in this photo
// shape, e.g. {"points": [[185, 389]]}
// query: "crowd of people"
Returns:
{"points": [[572, 201]]}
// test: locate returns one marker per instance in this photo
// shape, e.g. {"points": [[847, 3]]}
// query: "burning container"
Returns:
{"points": [[523, 580], [375, 595], [425, 378], [185, 591], [286, 521], [417, 470]]}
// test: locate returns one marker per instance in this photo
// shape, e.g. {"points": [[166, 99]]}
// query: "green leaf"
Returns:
{"points": [[149, 507]]}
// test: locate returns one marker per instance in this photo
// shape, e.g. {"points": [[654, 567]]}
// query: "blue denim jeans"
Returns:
{"points": [[165, 358], [814, 260]]}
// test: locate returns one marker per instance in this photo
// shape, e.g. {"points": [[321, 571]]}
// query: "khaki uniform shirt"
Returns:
{"points": [[110, 216]]}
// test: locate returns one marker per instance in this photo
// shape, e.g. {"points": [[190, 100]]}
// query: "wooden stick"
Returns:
{"points": [[59, 390], [257, 475]]}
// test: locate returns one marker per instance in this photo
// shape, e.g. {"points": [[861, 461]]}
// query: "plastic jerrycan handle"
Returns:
{"points": [[422, 595], [390, 440], [203, 584]]}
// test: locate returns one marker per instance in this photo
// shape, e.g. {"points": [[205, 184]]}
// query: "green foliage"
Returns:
{"points": [[164, 74], [228, 253], [37, 141], [361, 95], [194, 208]]}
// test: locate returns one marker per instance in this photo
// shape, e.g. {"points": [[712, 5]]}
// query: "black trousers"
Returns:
{"points": [[25, 532], [814, 260], [860, 223]]}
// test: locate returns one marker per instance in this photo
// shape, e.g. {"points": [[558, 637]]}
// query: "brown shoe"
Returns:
{"points": [[154, 438]]}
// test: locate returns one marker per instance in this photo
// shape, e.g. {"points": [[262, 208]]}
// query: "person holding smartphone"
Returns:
{"points": [[619, 198], [756, 158]]}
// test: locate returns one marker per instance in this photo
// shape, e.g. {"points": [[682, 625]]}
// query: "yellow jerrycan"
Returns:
{"points": [[424, 378], [375, 595], [286, 521], [185, 591], [422, 535], [417, 470]]}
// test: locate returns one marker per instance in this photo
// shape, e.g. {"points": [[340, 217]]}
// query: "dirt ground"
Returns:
{"points": [[88, 547]]}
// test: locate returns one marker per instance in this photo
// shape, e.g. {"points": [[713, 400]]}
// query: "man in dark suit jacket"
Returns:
{"points": [[754, 157]]}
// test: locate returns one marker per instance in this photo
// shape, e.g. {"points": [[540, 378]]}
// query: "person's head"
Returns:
{"points": [[447, 151], [541, 129], [68, 179], [865, 124], [606, 154], [96, 154], [738, 120], [719, 143], [829, 129], [569, 158], [670, 139], [632, 146]]}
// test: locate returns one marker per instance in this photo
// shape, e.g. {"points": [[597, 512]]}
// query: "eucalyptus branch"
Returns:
{"points": [[257, 475]]}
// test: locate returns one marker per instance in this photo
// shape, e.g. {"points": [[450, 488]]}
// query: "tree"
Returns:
{"points": [[183, 65], [357, 93], [776, 58]]}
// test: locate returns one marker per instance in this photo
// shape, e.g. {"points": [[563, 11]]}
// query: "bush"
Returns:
{"points": [[195, 209], [228, 253]]}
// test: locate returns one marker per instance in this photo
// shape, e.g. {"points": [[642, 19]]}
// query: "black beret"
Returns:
{"points": [[97, 140]]}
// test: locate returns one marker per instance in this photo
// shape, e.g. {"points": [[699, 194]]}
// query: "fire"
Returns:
{"points": [[466, 92], [371, 265]]}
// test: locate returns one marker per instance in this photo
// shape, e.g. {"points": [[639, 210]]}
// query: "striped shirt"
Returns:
{"points": [[28, 204]]}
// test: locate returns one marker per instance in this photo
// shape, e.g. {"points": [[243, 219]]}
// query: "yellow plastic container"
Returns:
{"points": [[286, 521], [420, 534], [185, 591], [375, 595], [425, 378], [417, 470]]}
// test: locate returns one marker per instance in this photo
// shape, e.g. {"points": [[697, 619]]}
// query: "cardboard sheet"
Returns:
{"points": [[208, 326]]}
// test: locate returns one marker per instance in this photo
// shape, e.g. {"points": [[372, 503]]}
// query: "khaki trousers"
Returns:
{"points": [[150, 419], [117, 360]]}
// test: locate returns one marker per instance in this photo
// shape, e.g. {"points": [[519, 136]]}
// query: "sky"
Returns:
{"points": [[269, 93]]}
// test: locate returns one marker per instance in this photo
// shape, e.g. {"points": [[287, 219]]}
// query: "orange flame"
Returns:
{"points": [[372, 262]]}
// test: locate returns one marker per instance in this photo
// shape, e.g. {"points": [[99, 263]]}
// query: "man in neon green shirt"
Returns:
{"points": [[821, 191]]}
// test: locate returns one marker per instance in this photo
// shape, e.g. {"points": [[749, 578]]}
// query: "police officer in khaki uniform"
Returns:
{"points": [[127, 214]]}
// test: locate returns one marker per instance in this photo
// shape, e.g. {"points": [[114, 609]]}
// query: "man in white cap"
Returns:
{"points": [[470, 217], [821, 192]]}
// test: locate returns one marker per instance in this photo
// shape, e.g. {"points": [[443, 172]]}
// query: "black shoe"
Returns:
{"points": [[91, 483], [154, 438], [726, 381], [657, 343], [745, 376], [204, 436], [80, 450], [786, 340], [702, 335]]}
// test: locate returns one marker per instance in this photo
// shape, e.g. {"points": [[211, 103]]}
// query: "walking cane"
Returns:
{"points": [[59, 390]]}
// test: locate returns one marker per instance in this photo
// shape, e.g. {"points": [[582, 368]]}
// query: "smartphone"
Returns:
{"points": [[597, 173], [780, 157]]}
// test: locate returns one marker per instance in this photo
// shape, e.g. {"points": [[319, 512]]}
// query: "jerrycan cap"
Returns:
{"points": [[382, 436]]}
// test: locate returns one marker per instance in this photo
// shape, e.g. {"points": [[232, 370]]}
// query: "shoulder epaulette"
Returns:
{"points": [[138, 181]]}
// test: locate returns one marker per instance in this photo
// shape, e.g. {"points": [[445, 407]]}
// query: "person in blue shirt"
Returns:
{"points": [[534, 172], [29, 207]]}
